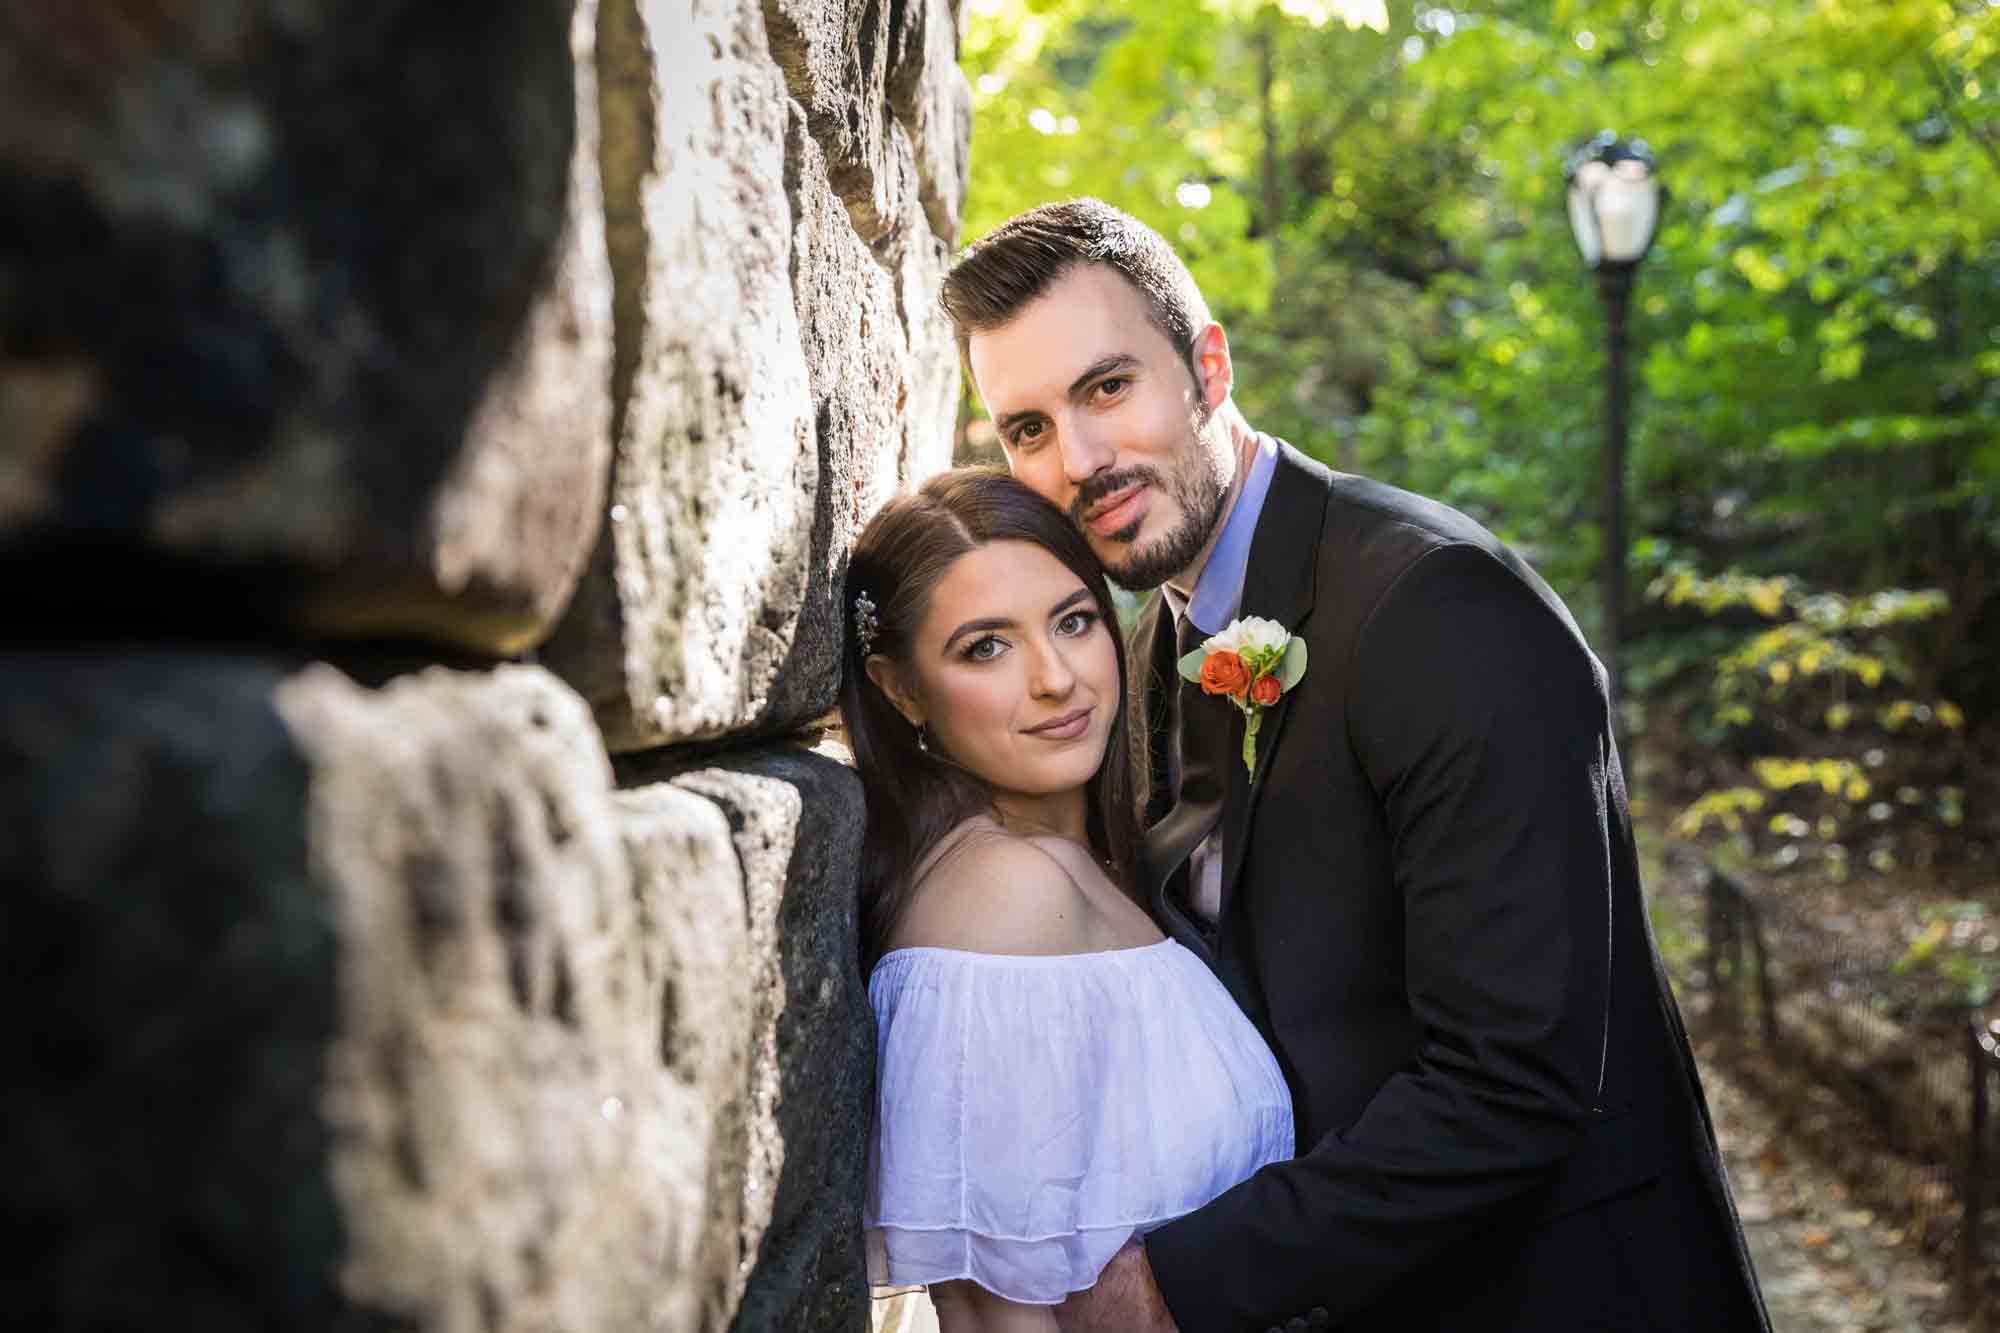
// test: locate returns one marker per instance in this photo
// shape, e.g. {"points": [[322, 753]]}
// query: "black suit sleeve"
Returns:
{"points": [[1481, 724]]}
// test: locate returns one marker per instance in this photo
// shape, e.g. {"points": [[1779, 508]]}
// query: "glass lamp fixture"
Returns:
{"points": [[1614, 200]]}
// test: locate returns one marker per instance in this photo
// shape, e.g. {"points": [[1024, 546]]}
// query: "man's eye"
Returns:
{"points": [[1027, 433], [1112, 386]]}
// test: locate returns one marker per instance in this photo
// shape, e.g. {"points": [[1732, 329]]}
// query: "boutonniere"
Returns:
{"points": [[1253, 661]]}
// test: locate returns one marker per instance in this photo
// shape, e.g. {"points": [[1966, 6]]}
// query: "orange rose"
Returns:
{"points": [[1224, 673], [1264, 691]]}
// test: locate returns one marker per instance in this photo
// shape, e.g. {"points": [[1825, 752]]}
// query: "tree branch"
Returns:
{"points": [[1949, 95]]}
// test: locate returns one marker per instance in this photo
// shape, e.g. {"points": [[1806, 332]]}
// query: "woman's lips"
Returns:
{"points": [[1124, 509], [1065, 728]]}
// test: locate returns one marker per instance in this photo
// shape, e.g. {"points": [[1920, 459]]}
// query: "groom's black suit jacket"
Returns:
{"points": [[1431, 909]]}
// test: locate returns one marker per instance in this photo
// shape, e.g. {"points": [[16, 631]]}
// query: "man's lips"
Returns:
{"points": [[1065, 728], [1118, 510]]}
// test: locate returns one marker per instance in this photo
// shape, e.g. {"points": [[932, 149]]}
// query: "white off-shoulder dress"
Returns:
{"points": [[1033, 1113]]}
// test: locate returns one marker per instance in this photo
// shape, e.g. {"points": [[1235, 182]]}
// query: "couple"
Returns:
{"points": [[1329, 999]]}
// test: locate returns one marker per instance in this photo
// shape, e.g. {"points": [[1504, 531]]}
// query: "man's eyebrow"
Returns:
{"points": [[1007, 422], [1098, 369], [1101, 367], [973, 627]]}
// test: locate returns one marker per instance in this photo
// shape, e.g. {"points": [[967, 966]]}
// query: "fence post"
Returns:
{"points": [[1722, 950], [1767, 1004], [1971, 1272]]}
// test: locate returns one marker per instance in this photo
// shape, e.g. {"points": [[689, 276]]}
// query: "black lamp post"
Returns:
{"points": [[1614, 207]]}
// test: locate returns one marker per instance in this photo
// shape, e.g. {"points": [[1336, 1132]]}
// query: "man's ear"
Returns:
{"points": [[1214, 371], [889, 680]]}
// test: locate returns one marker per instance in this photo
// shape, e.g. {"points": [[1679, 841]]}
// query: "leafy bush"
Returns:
{"points": [[1843, 756]]}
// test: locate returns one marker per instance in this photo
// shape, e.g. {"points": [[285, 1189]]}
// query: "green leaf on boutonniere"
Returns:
{"points": [[1291, 667], [1190, 666]]}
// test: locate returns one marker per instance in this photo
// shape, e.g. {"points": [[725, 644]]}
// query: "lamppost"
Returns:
{"points": [[1614, 206]]}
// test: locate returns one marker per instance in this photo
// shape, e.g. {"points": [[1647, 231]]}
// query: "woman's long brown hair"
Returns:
{"points": [[915, 798]]}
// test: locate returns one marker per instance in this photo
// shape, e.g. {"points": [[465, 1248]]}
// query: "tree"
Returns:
{"points": [[1376, 217]]}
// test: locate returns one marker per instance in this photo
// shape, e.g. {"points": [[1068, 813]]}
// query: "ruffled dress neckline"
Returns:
{"points": [[1036, 1111]]}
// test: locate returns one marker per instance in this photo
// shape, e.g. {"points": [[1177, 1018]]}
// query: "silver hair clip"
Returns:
{"points": [[865, 624]]}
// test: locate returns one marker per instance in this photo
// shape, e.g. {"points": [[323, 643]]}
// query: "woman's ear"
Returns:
{"points": [[889, 680]]}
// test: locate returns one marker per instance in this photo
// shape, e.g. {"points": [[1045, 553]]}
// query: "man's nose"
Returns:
{"points": [[1086, 450]]}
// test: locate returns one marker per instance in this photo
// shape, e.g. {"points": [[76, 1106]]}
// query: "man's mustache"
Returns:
{"points": [[1092, 491]]}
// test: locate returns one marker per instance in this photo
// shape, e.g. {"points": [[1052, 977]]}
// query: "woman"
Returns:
{"points": [[1054, 1076]]}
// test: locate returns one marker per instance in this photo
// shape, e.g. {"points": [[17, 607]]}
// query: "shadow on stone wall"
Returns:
{"points": [[402, 413]]}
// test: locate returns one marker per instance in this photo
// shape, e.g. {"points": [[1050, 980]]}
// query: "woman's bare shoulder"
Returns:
{"points": [[985, 890]]}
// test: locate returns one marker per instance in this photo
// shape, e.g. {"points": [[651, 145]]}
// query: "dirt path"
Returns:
{"points": [[1827, 1266]]}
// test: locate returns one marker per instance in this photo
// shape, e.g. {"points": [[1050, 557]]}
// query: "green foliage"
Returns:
{"points": [[1844, 763], [1828, 652], [1376, 216], [1119, 100], [1953, 946]]}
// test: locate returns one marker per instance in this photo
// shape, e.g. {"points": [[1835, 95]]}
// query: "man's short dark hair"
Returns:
{"points": [[1009, 267]]}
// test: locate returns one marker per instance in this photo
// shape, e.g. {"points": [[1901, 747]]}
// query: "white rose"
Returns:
{"points": [[1251, 634], [1228, 639], [1267, 636]]}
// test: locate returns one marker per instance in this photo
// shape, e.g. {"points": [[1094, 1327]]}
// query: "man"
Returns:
{"points": [[1426, 895]]}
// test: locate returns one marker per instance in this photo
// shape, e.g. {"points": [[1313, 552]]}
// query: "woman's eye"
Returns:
{"points": [[1075, 623], [983, 650]]}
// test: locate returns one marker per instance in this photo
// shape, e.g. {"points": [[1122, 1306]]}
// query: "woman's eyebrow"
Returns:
{"points": [[1080, 595], [973, 627], [1001, 622]]}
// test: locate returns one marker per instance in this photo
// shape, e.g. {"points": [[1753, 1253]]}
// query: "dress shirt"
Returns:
{"points": [[1218, 596]]}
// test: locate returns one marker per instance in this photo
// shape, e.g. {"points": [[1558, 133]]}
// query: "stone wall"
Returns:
{"points": [[404, 413]]}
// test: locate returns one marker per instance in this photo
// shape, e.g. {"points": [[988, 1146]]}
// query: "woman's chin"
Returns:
{"points": [[1043, 781]]}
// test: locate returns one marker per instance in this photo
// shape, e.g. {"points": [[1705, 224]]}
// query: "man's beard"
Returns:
{"points": [[1199, 487]]}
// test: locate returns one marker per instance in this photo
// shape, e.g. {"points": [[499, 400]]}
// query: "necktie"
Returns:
{"points": [[1204, 753]]}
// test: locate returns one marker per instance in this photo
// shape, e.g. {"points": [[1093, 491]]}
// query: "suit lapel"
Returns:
{"points": [[1278, 585], [1159, 696]]}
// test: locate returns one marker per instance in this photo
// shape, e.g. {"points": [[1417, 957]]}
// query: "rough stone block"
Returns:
{"points": [[533, 1091], [886, 101], [796, 820], [684, 619], [863, 380], [778, 373], [301, 309], [695, 958], [169, 976], [836, 57], [928, 93], [920, 258], [379, 1008]]}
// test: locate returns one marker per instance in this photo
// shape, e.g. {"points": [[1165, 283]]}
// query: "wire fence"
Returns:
{"points": [[1901, 1089]]}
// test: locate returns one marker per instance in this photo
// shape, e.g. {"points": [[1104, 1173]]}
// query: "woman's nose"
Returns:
{"points": [[1053, 676]]}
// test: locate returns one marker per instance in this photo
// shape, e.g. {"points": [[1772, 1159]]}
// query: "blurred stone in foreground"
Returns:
{"points": [[307, 317]]}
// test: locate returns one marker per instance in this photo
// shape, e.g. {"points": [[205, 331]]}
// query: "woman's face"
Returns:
{"points": [[1014, 671]]}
